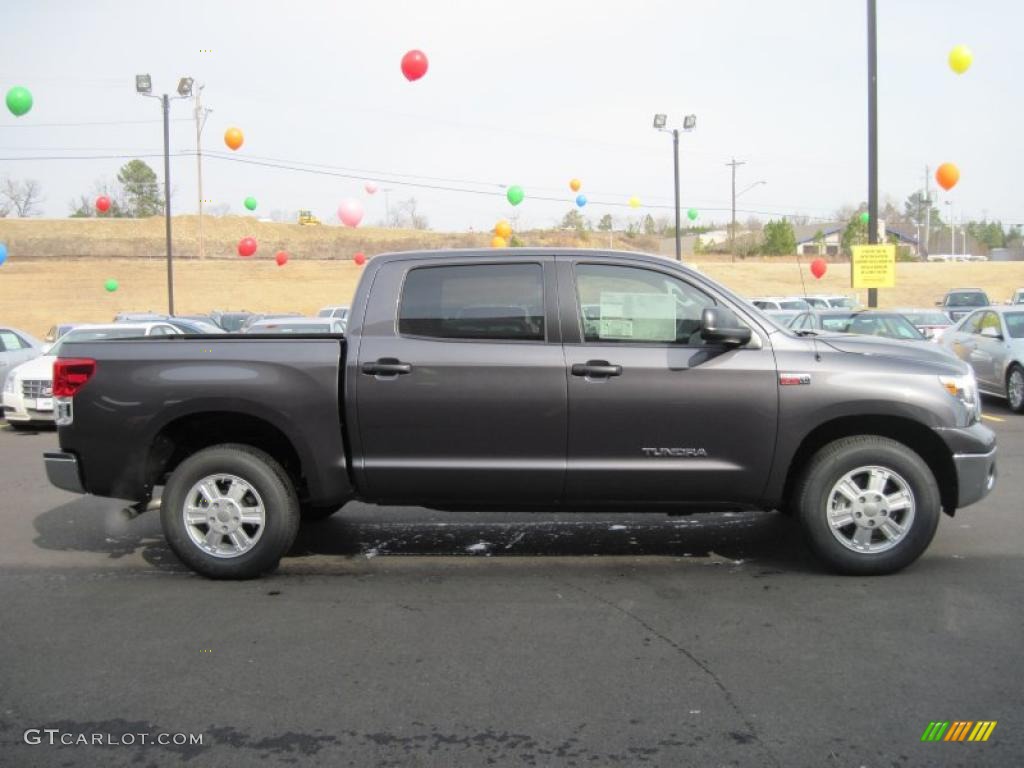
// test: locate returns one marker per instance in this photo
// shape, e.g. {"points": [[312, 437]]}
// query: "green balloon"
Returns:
{"points": [[865, 217], [691, 214], [19, 100], [250, 203], [515, 194], [111, 285]]}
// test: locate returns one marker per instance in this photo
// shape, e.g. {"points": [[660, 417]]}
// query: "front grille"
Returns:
{"points": [[36, 388]]}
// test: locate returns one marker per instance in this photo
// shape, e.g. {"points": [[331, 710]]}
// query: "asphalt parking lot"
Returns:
{"points": [[398, 637]]}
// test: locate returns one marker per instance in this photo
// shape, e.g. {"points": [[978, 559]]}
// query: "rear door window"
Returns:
{"points": [[499, 302]]}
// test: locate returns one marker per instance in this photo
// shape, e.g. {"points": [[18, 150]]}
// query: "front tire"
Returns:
{"points": [[1015, 388], [230, 512], [868, 505]]}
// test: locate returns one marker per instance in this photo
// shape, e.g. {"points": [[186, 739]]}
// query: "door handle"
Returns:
{"points": [[386, 366], [596, 369]]}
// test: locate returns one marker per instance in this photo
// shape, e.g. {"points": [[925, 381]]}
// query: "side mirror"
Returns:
{"points": [[991, 333], [719, 325]]}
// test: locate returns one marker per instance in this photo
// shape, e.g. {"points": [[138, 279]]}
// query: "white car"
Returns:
{"points": [[779, 302], [16, 347], [830, 301], [28, 390]]}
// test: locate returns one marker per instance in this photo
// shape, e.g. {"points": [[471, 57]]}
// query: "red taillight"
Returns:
{"points": [[70, 375]]}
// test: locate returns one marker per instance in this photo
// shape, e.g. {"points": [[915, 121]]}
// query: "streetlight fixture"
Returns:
{"points": [[144, 87], [689, 123]]}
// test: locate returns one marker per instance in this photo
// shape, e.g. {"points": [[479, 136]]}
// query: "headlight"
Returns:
{"points": [[964, 389]]}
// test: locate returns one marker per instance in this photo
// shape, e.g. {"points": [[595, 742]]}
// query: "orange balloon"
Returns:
{"points": [[947, 176], [575, 185], [233, 138], [503, 229], [498, 242]]}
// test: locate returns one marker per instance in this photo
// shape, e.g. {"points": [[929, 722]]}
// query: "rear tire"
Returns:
{"points": [[230, 512], [868, 505], [1015, 388]]}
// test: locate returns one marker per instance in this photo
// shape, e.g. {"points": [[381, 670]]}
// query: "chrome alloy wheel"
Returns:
{"points": [[224, 515], [870, 509], [1015, 389]]}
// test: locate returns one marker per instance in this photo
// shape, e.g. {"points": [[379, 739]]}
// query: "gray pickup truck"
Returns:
{"points": [[527, 379]]}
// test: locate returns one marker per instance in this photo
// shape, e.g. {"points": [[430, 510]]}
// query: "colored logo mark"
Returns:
{"points": [[959, 730]]}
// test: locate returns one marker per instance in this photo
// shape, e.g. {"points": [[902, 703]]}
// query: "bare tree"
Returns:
{"points": [[23, 196], [405, 215]]}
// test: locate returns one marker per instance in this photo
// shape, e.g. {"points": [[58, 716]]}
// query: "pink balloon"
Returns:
{"points": [[371, 188], [350, 212]]}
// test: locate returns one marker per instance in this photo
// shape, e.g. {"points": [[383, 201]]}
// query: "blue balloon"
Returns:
{"points": [[581, 200], [3, 254]]}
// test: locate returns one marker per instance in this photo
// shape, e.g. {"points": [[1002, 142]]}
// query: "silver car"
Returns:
{"points": [[16, 347], [991, 341]]}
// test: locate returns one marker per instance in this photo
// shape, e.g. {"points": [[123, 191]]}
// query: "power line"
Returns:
{"points": [[97, 122]]}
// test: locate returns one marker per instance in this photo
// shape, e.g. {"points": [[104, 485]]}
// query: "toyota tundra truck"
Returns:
{"points": [[526, 379]]}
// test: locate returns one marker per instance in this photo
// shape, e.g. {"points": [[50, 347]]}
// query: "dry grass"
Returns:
{"points": [[56, 268], [36, 293]]}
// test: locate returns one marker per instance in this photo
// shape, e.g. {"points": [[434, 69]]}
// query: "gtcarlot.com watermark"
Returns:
{"points": [[55, 737]]}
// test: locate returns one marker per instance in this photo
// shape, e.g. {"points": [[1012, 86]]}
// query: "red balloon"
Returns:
{"points": [[102, 203], [819, 267], [281, 257], [247, 246], [359, 258], [414, 65]]}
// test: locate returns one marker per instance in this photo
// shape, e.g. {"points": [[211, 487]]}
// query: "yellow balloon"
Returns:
{"points": [[498, 242], [960, 59], [503, 229], [634, 202], [575, 185]]}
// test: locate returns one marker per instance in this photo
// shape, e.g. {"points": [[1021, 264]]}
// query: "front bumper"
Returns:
{"points": [[974, 456], [976, 476], [62, 471], [17, 409]]}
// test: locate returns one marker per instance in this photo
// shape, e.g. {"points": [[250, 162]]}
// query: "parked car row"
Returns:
{"points": [[26, 363]]}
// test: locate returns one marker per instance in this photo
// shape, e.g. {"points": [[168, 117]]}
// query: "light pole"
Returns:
{"points": [[144, 87], [689, 123], [735, 195], [952, 230], [200, 113]]}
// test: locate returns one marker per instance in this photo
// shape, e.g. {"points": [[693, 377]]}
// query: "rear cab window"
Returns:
{"points": [[497, 302]]}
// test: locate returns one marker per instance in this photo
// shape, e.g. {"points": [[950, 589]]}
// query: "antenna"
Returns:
{"points": [[803, 284]]}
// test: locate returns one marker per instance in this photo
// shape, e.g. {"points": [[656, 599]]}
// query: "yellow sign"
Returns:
{"points": [[873, 266]]}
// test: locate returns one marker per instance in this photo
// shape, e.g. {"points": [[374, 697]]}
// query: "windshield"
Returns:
{"points": [[887, 326], [1015, 324], [232, 322], [927, 318], [292, 328], [96, 334], [841, 302], [967, 299], [793, 304]]}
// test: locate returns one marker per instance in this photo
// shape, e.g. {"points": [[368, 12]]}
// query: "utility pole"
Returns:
{"points": [[387, 207], [872, 138], [200, 115], [732, 226], [927, 212]]}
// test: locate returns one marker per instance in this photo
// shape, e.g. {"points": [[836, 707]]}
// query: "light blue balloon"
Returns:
{"points": [[3, 254], [581, 200]]}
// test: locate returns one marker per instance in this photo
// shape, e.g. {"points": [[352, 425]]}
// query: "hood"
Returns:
{"points": [[911, 351], [40, 368]]}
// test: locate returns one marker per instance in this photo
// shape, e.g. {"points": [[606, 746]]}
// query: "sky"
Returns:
{"points": [[523, 92]]}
